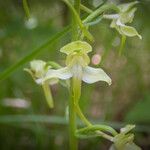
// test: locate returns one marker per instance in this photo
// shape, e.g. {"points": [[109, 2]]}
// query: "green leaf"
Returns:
{"points": [[33, 54], [86, 33]]}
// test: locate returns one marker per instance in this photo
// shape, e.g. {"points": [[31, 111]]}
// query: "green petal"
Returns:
{"points": [[92, 75], [76, 46], [127, 6], [129, 31], [127, 17]]}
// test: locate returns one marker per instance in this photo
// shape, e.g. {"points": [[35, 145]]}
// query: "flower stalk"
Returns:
{"points": [[73, 143], [99, 11]]}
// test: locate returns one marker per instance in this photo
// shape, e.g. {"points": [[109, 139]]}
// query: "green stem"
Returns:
{"points": [[123, 40], [72, 113], [100, 10], [81, 115], [26, 8], [77, 22], [72, 124], [86, 9]]}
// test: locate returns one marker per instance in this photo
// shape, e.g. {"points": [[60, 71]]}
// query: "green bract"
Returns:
{"points": [[125, 15]]}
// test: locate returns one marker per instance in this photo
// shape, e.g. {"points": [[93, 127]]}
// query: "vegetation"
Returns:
{"points": [[90, 44]]}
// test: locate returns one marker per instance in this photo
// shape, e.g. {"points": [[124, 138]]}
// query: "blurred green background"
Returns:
{"points": [[26, 122]]}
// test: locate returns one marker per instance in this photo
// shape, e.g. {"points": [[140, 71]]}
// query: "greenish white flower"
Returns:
{"points": [[124, 140], [77, 65], [125, 15], [38, 70]]}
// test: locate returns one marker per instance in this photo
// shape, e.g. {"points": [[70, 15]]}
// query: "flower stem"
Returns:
{"points": [[72, 124], [26, 8], [123, 40], [81, 115], [72, 113], [86, 9]]}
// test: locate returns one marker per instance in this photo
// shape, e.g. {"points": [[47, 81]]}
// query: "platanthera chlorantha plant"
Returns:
{"points": [[77, 69]]}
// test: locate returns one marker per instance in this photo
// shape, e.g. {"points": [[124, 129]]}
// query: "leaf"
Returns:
{"points": [[33, 54]]}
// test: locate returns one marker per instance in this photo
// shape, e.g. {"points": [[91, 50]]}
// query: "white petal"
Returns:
{"points": [[52, 76], [91, 75], [63, 73], [119, 23]]}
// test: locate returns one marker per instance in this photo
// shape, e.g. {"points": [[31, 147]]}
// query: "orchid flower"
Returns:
{"points": [[77, 67], [125, 15], [124, 140], [38, 70]]}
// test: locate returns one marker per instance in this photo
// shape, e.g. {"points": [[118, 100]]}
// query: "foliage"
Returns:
{"points": [[128, 64]]}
